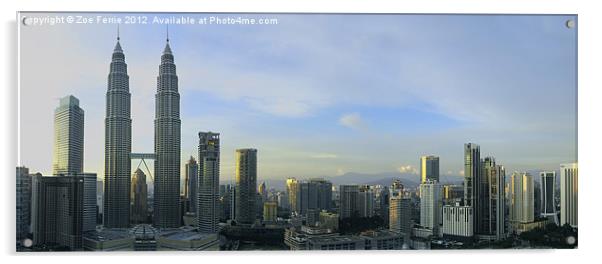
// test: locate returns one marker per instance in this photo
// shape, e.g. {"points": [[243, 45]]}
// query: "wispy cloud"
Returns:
{"points": [[324, 156], [407, 169], [352, 120]]}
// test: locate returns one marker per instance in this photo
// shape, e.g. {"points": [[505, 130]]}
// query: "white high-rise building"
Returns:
{"points": [[208, 197], [68, 155], [569, 176], [457, 221], [521, 198], [430, 205]]}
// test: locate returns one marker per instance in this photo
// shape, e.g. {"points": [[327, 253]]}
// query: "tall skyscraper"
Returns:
{"points": [[521, 198], [191, 174], [429, 168], [348, 201], [23, 202], [68, 155], [430, 205], [139, 198], [472, 178], [569, 176], [548, 186], [491, 211], [118, 144], [246, 185], [166, 202], [208, 197]]}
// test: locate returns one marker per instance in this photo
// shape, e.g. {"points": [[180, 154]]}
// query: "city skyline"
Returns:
{"points": [[312, 123]]}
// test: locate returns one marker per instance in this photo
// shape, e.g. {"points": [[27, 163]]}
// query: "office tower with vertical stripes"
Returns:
{"points": [[472, 178], [208, 182], [118, 144], [548, 192], [569, 176]]}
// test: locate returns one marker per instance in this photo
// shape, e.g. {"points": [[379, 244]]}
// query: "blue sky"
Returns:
{"points": [[321, 95]]}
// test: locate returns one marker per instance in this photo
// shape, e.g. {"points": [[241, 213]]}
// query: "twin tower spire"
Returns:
{"points": [[118, 143]]}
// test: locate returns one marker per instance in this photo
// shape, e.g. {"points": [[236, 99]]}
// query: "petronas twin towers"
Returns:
{"points": [[118, 144]]}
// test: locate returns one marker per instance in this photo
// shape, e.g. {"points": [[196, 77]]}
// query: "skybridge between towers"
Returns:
{"points": [[143, 157]]}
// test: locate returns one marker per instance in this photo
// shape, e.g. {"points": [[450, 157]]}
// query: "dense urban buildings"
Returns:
{"points": [[139, 198], [68, 157], [569, 176], [246, 185], [429, 168], [166, 202], [208, 192], [118, 144]]}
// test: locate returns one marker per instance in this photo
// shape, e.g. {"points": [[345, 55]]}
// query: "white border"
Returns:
{"points": [[589, 23]]}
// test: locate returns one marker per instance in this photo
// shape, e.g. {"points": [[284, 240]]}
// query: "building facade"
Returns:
{"points": [[68, 157], [548, 192], [521, 199], [429, 168], [430, 205], [569, 176], [472, 177], [139, 198], [457, 222], [348, 200], [191, 176], [23, 202], [246, 185], [208, 196], [492, 205]]}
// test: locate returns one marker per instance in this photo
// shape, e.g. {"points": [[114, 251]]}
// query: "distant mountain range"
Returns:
{"points": [[384, 178]]}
